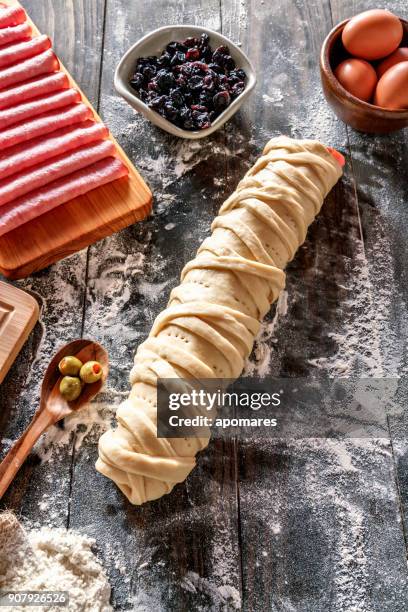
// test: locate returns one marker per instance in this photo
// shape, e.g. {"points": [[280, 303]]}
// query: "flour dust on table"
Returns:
{"points": [[48, 559]]}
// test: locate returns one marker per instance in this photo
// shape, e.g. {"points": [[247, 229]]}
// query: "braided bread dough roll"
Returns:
{"points": [[213, 316]]}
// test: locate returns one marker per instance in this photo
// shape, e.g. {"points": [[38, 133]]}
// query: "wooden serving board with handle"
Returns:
{"points": [[18, 314], [78, 223]]}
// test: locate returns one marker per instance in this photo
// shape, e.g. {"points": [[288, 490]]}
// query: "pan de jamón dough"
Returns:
{"points": [[213, 316]]}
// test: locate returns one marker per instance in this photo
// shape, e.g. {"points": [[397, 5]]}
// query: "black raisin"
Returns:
{"points": [[188, 98], [209, 82], [201, 120], [172, 48], [240, 74], [137, 80], [195, 83], [181, 81], [204, 40], [206, 98], [164, 59], [216, 68], [158, 102], [191, 42], [170, 111], [177, 97], [186, 118], [153, 86], [186, 69], [199, 107], [193, 54], [206, 54], [221, 100], [199, 68], [178, 58], [219, 54], [165, 80], [238, 88], [229, 63]]}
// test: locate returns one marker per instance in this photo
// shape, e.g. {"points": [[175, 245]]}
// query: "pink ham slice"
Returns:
{"points": [[39, 106], [23, 182], [39, 150], [34, 66], [33, 88], [11, 16], [14, 34], [23, 50], [42, 200], [44, 124]]}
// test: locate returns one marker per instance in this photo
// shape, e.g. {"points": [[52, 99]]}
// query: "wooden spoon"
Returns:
{"points": [[53, 407]]}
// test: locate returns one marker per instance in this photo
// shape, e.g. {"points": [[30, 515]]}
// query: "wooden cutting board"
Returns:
{"points": [[78, 223], [18, 314]]}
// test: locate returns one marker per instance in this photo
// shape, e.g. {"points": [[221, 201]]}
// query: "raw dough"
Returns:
{"points": [[213, 316]]}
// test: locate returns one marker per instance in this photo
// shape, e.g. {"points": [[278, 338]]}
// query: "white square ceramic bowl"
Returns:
{"points": [[153, 44]]}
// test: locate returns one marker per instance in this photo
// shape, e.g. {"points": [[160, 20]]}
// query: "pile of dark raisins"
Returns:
{"points": [[189, 84]]}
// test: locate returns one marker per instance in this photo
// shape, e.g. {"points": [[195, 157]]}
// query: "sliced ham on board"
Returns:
{"points": [[42, 200], [43, 63], [33, 178], [11, 16], [23, 50], [51, 149], [15, 33], [44, 124], [39, 86], [38, 150], [38, 106]]}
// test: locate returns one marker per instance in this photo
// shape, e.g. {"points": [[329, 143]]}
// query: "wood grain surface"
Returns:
{"points": [[80, 222], [18, 314], [288, 525]]}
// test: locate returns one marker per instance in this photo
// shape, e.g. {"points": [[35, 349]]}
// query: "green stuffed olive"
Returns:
{"points": [[70, 388], [91, 372], [70, 366]]}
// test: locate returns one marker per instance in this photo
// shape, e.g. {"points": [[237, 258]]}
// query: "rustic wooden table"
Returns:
{"points": [[313, 525]]}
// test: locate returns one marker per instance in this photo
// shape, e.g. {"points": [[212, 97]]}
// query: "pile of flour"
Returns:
{"points": [[58, 560]]}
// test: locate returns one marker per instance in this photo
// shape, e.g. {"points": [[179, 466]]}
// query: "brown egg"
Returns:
{"points": [[373, 34], [400, 55], [392, 88], [358, 77]]}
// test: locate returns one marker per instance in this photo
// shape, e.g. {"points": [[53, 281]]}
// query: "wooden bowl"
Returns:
{"points": [[360, 115]]}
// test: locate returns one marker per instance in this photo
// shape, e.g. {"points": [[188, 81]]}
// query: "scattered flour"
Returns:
{"points": [[223, 595], [317, 121], [351, 578], [338, 481], [243, 14], [62, 286], [88, 423], [358, 341], [153, 290], [274, 97], [168, 168], [258, 363], [62, 561], [116, 270]]}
